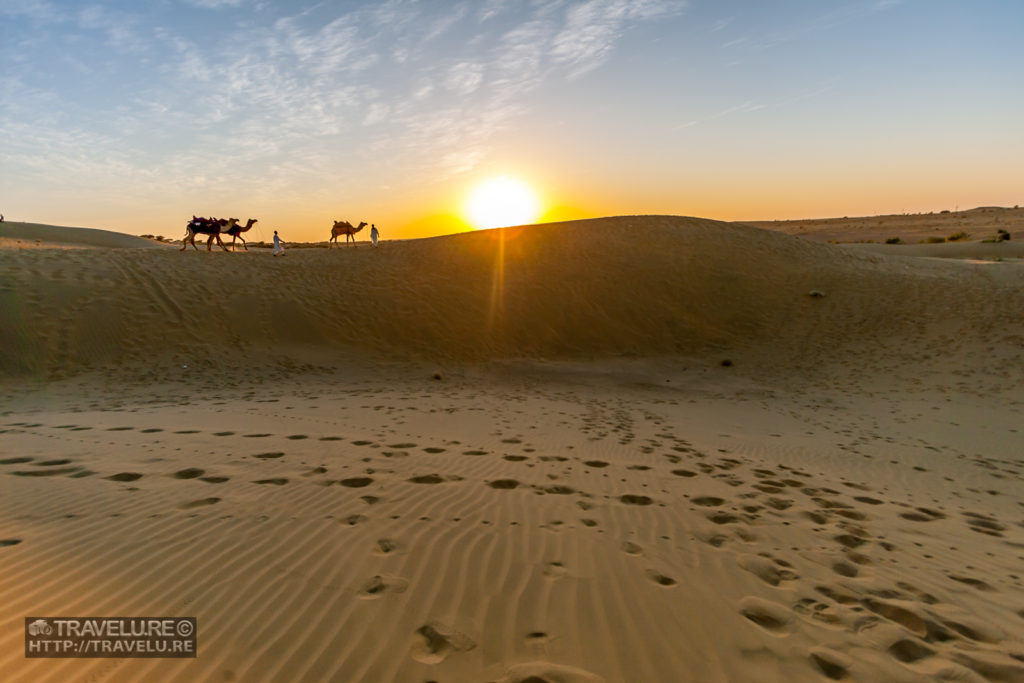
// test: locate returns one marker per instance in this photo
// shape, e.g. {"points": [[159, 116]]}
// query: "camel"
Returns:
{"points": [[236, 233], [207, 226], [345, 228]]}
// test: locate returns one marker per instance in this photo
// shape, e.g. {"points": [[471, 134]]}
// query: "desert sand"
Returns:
{"points": [[633, 449]]}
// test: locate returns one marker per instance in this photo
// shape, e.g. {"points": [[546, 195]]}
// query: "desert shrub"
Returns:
{"points": [[957, 237], [894, 240], [148, 237], [1002, 235], [935, 240], [944, 211]]}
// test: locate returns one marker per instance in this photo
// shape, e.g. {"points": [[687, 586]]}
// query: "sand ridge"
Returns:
{"points": [[638, 286]]}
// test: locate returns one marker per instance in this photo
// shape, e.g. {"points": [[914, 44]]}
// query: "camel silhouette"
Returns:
{"points": [[237, 230], [345, 228], [207, 226]]}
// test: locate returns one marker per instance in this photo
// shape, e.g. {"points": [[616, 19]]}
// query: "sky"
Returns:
{"points": [[134, 115]]}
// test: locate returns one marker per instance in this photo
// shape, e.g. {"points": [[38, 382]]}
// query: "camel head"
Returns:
{"points": [[362, 224], [249, 223]]}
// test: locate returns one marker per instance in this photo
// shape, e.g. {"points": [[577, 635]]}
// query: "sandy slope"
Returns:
{"points": [[586, 493], [33, 235], [980, 223]]}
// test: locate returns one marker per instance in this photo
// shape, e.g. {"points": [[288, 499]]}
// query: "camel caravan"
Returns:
{"points": [[215, 227]]}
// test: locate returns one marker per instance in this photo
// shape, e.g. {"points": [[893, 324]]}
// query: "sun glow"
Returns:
{"points": [[500, 202]]}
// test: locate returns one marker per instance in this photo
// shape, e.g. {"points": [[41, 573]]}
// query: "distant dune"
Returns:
{"points": [[629, 286], [53, 235], [980, 223]]}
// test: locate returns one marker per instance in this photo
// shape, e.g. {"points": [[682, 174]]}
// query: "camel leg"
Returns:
{"points": [[244, 246], [219, 242]]}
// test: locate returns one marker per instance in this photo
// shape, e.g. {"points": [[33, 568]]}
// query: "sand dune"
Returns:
{"points": [[28, 235], [979, 223], [643, 286], [518, 456]]}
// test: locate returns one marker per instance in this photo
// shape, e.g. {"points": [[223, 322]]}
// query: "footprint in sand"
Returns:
{"points": [[189, 473], [380, 584], [434, 450], [595, 463], [630, 499], [275, 454], [384, 546], [974, 583], [276, 481], [707, 501], [834, 665], [124, 476], [297, 437], [256, 436], [907, 650], [198, 503], [434, 642], [770, 616], [770, 570], [661, 579], [214, 480], [984, 524], [923, 515], [223, 433], [54, 472], [15, 461], [427, 479], [503, 484], [9, 542], [356, 482]]}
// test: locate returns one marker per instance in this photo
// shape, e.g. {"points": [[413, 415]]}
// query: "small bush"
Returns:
{"points": [[935, 240], [1002, 235], [957, 237], [894, 240]]}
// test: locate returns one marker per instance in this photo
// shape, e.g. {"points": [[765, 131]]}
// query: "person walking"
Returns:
{"points": [[278, 249], [374, 234]]}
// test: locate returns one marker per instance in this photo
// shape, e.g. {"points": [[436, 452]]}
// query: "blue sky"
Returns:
{"points": [[135, 115]]}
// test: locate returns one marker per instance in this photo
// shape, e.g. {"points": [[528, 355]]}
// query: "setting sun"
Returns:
{"points": [[500, 202]]}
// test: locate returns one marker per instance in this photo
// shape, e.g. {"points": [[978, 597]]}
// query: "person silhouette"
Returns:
{"points": [[278, 249], [374, 234]]}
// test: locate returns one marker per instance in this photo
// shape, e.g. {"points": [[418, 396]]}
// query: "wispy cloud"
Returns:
{"points": [[272, 100]]}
